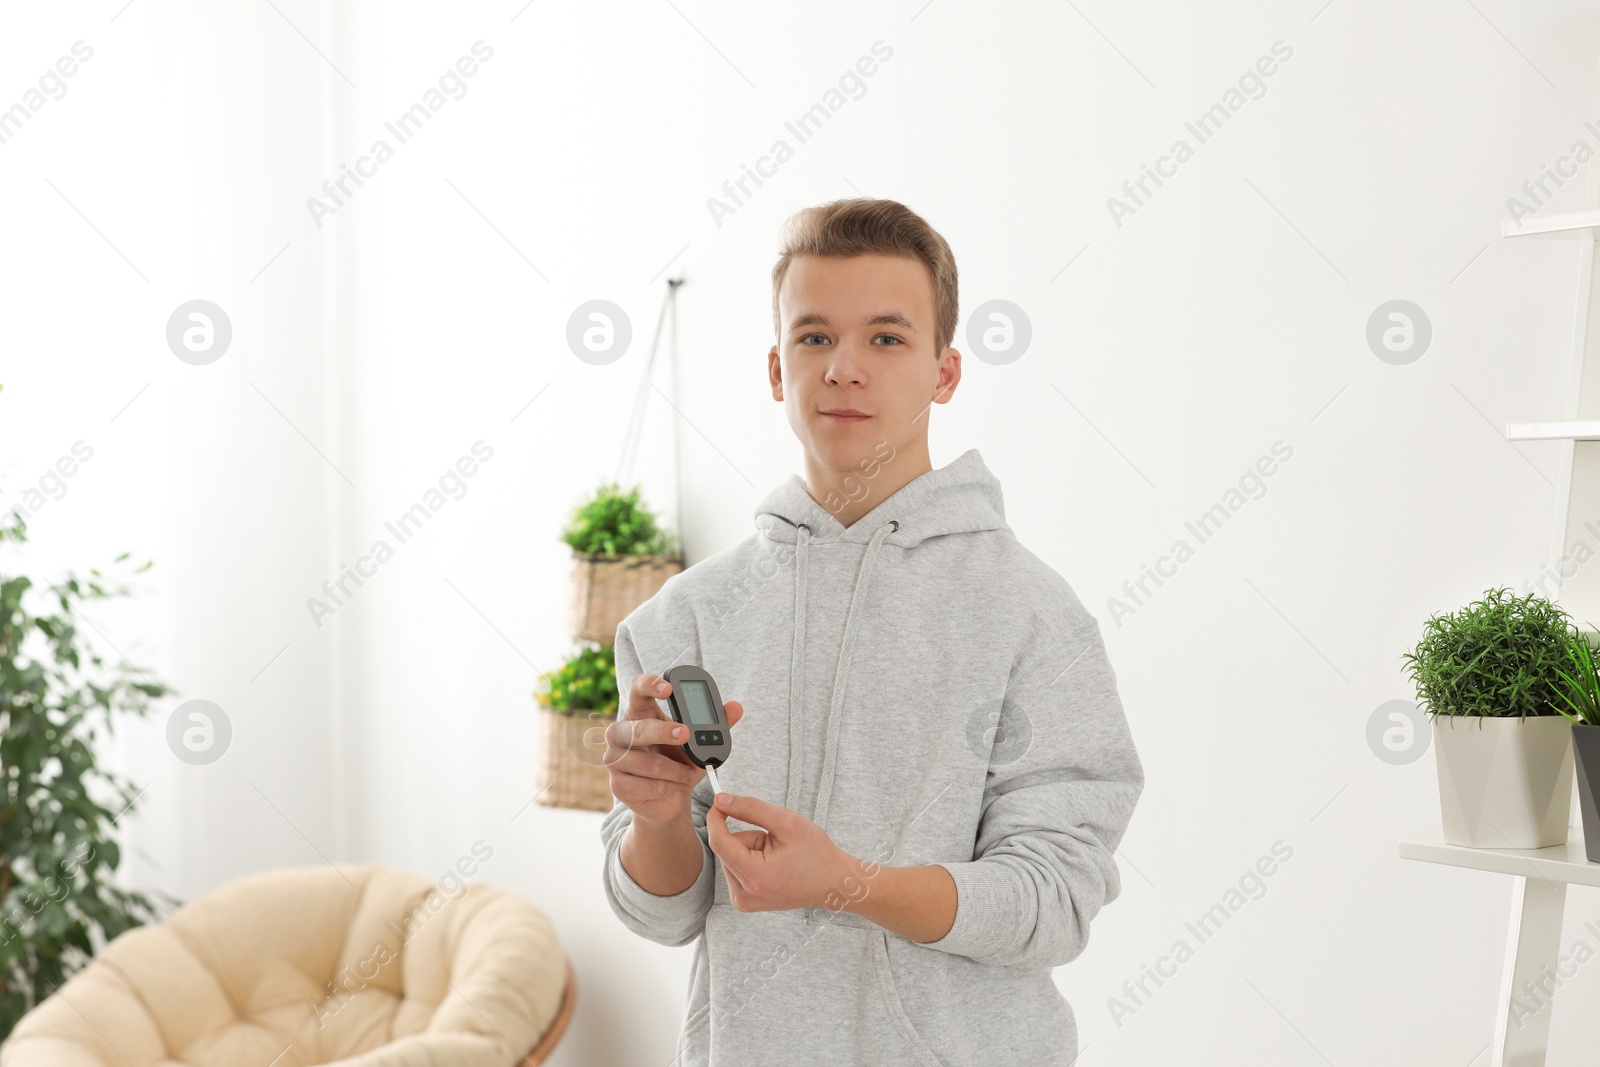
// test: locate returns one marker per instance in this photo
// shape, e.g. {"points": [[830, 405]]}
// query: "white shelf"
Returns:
{"points": [[1558, 863], [1561, 224], [1533, 938], [1580, 430]]}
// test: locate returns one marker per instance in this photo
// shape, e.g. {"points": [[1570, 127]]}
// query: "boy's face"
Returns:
{"points": [[858, 334]]}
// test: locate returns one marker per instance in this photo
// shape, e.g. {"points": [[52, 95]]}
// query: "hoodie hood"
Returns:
{"points": [[960, 497]]}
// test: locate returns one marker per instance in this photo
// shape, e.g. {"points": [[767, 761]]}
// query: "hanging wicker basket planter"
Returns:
{"points": [[605, 589], [571, 770]]}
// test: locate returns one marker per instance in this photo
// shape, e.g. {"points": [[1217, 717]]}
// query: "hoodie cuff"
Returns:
{"points": [[987, 905], [688, 904]]}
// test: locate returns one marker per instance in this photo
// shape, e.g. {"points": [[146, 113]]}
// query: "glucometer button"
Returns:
{"points": [[708, 737]]}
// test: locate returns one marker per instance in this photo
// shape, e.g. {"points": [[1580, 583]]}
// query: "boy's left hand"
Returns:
{"points": [[793, 863]]}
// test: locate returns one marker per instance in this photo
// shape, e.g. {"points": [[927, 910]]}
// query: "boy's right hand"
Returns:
{"points": [[650, 772]]}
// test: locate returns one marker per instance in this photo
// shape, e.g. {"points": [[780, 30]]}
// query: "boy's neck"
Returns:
{"points": [[850, 493]]}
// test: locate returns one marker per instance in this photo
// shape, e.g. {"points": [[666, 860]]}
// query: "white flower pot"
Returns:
{"points": [[1504, 782]]}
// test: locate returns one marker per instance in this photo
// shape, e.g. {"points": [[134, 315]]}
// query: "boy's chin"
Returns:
{"points": [[847, 446]]}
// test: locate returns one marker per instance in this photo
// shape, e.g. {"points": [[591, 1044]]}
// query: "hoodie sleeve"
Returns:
{"points": [[1057, 799], [670, 920]]}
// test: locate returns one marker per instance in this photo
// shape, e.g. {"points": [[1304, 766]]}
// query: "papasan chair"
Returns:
{"points": [[358, 967]]}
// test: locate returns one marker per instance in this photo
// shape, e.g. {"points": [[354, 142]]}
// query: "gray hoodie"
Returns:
{"points": [[927, 691]]}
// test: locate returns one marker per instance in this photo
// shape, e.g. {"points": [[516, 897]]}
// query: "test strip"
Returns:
{"points": [[716, 787]]}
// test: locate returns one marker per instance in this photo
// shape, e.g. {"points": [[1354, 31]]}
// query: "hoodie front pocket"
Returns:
{"points": [[890, 994]]}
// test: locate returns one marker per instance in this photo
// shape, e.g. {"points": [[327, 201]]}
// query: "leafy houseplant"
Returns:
{"points": [[1580, 695], [577, 701], [620, 558], [614, 523], [1498, 664], [1500, 656], [586, 682], [58, 808]]}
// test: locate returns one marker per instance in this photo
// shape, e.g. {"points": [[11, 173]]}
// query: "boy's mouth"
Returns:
{"points": [[847, 415]]}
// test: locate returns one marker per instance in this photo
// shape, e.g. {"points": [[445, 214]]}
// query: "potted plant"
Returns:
{"points": [[1489, 676], [59, 901], [576, 702], [620, 558], [1580, 703]]}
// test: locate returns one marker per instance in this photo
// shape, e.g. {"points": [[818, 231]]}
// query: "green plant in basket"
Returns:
{"points": [[614, 523], [1580, 699], [586, 682], [1502, 656]]}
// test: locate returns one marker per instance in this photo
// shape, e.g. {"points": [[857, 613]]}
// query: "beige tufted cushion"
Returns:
{"points": [[365, 966]]}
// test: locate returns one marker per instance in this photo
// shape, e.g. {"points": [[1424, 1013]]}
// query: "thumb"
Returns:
{"points": [[774, 818]]}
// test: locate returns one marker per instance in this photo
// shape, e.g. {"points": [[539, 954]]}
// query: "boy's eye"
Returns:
{"points": [[806, 339]]}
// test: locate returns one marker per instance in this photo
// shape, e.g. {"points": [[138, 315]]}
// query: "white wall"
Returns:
{"points": [[1226, 314]]}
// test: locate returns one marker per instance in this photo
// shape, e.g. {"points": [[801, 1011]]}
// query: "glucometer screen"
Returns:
{"points": [[696, 698]]}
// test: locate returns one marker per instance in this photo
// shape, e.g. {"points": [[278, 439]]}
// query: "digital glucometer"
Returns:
{"points": [[696, 703]]}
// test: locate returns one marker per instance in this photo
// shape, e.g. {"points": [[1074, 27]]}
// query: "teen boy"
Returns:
{"points": [[931, 768]]}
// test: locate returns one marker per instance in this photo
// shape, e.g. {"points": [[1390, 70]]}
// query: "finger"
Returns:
{"points": [[774, 818], [643, 694], [643, 763], [734, 711], [638, 733], [717, 835], [754, 840], [732, 853], [632, 789]]}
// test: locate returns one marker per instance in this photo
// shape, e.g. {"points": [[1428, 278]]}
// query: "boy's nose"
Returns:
{"points": [[845, 368]]}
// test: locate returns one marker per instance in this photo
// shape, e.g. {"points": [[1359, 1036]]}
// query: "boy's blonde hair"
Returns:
{"points": [[861, 226]]}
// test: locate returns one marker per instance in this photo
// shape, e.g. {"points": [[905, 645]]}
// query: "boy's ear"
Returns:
{"points": [[949, 376], [775, 373]]}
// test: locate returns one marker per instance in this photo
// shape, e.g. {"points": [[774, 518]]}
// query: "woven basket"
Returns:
{"points": [[605, 589], [571, 770]]}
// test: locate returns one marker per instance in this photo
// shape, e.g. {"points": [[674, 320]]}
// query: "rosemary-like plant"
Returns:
{"points": [[1499, 657]]}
